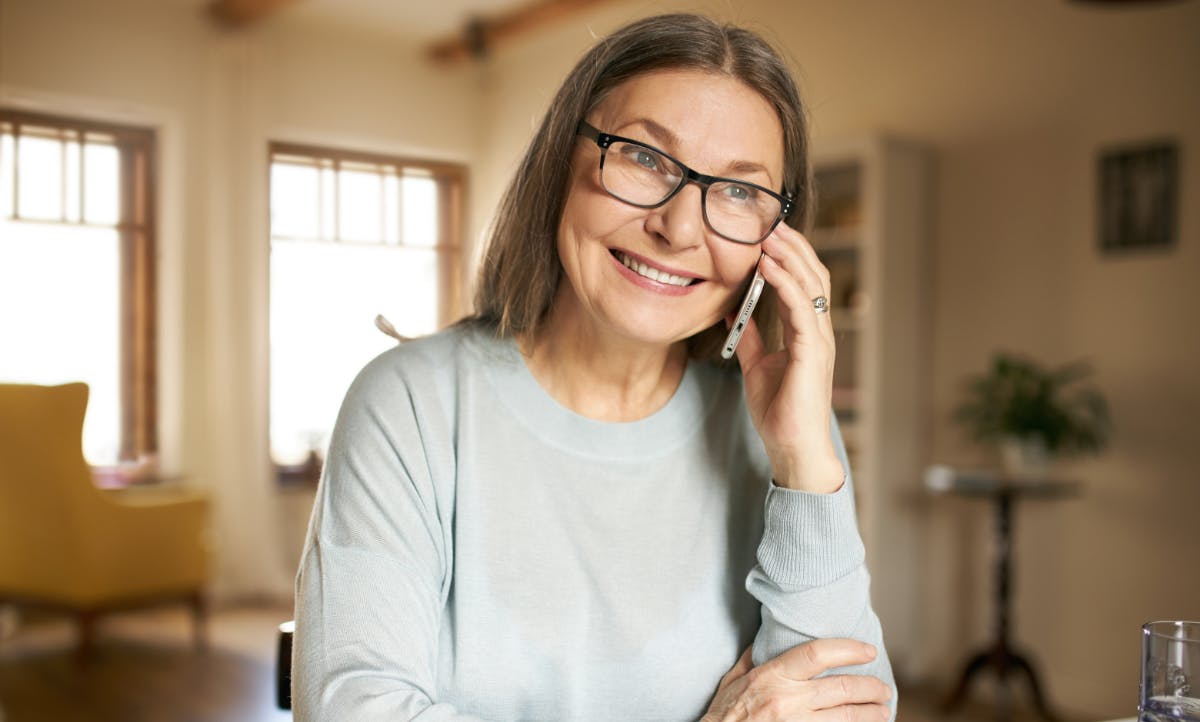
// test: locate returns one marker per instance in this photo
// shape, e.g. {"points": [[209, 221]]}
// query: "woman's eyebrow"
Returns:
{"points": [[746, 167], [665, 137], [662, 135]]}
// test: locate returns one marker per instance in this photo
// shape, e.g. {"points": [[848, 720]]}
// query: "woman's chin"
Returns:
{"points": [[654, 335]]}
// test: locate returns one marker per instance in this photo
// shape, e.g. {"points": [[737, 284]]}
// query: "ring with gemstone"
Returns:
{"points": [[821, 304]]}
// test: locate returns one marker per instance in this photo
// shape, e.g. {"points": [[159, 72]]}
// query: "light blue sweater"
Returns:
{"points": [[479, 552]]}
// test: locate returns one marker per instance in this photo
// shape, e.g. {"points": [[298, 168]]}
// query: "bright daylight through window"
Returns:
{"points": [[353, 237], [76, 281]]}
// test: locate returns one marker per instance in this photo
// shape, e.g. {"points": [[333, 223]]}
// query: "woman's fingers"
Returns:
{"points": [[790, 687], [848, 689], [791, 266], [806, 661], [796, 300], [792, 250], [853, 713]]}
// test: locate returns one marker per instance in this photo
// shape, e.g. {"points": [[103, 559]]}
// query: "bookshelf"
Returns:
{"points": [[872, 230]]}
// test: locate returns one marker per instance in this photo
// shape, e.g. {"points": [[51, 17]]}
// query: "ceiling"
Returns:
{"points": [[421, 20]]}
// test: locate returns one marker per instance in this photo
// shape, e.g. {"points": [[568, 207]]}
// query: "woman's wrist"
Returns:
{"points": [[814, 473]]}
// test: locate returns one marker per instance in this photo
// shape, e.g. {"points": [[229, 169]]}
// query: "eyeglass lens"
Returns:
{"points": [[637, 174]]}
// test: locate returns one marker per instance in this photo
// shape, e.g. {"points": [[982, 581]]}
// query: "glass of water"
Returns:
{"points": [[1170, 672]]}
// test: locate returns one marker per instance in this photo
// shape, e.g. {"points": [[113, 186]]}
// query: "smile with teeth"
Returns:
{"points": [[651, 272]]}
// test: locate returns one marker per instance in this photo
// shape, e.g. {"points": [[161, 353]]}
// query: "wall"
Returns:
{"points": [[217, 98], [1016, 105]]}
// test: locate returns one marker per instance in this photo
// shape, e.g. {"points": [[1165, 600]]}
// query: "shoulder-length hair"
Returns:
{"points": [[521, 270]]}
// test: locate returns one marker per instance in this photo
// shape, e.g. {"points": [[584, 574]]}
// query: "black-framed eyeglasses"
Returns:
{"points": [[644, 176]]}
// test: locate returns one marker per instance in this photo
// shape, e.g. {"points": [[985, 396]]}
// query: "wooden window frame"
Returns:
{"points": [[136, 228], [451, 180]]}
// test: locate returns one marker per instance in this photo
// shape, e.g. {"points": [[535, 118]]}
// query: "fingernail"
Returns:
{"points": [[869, 650], [886, 713]]}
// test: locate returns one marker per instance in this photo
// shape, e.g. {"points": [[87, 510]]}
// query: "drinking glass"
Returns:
{"points": [[1170, 672]]}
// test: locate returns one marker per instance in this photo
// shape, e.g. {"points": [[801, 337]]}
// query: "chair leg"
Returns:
{"points": [[199, 604], [87, 635], [9, 620]]}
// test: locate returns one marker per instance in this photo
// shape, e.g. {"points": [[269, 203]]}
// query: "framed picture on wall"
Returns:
{"points": [[1139, 197]]}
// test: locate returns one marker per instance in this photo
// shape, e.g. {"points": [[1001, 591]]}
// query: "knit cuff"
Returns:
{"points": [[810, 539]]}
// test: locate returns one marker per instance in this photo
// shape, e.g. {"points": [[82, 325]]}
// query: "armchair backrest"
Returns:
{"points": [[44, 482]]}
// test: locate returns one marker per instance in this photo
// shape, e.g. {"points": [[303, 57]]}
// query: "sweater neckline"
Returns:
{"points": [[547, 419]]}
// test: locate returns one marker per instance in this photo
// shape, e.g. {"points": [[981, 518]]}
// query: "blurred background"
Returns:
{"points": [[207, 203]]}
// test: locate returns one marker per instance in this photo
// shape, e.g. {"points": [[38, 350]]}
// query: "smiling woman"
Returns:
{"points": [[566, 507]]}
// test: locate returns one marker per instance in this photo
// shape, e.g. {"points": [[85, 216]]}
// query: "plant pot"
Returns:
{"points": [[1025, 457]]}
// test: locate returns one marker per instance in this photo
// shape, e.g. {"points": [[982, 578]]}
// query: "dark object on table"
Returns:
{"points": [[283, 666]]}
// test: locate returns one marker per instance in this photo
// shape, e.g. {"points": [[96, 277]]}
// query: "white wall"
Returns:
{"points": [[217, 98]]}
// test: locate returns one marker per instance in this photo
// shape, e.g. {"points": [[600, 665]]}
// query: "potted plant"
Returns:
{"points": [[1034, 413]]}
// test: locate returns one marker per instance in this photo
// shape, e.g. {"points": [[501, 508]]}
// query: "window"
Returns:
{"points": [[354, 237], [77, 272]]}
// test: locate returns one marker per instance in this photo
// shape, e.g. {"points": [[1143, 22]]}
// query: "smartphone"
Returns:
{"points": [[743, 315]]}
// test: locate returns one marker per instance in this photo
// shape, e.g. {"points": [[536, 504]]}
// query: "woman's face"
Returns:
{"points": [[614, 254]]}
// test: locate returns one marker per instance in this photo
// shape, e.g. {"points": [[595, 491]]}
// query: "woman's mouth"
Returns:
{"points": [[654, 274]]}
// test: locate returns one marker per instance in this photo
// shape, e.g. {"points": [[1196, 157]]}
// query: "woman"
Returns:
{"points": [[555, 510]]}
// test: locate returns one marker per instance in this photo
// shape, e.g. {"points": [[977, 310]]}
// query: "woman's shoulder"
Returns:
{"points": [[429, 362]]}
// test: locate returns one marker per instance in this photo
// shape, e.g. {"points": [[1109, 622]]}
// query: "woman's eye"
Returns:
{"points": [[738, 193], [646, 159]]}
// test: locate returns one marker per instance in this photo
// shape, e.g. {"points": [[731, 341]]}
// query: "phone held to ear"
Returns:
{"points": [[743, 315]]}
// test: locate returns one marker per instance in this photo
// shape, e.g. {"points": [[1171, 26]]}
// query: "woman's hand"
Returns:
{"points": [[789, 392], [785, 689]]}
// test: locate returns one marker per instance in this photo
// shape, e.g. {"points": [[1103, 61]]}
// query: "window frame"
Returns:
{"points": [[451, 182], [137, 233]]}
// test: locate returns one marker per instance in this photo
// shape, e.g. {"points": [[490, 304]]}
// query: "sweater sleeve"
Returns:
{"points": [[375, 570], [811, 578]]}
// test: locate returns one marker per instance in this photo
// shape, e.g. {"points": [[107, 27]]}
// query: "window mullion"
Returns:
{"points": [[128, 304], [62, 175], [320, 231], [400, 239], [16, 210], [379, 178], [337, 199], [83, 178]]}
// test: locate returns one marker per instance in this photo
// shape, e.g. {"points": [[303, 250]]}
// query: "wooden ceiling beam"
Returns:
{"points": [[242, 13], [483, 34]]}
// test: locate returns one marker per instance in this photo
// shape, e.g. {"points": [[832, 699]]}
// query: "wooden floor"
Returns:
{"points": [[145, 669]]}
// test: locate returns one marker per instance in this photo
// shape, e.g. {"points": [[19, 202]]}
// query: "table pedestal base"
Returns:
{"points": [[1000, 657], [1004, 662]]}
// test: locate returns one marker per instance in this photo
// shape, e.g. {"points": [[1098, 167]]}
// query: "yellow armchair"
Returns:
{"points": [[66, 544]]}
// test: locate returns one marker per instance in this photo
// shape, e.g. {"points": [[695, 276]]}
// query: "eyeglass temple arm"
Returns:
{"points": [[587, 130]]}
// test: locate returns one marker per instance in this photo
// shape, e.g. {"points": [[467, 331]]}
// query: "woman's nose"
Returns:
{"points": [[680, 221]]}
